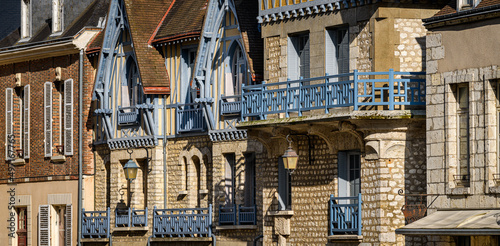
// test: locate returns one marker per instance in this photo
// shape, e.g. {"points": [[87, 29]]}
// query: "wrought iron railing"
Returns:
{"points": [[362, 90], [95, 224], [237, 215], [345, 215], [128, 115], [190, 118], [131, 218], [184, 222]]}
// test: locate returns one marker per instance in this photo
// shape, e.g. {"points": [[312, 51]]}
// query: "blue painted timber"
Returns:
{"points": [[245, 215], [128, 116], [345, 215], [95, 224], [184, 222], [357, 89], [230, 105], [190, 117], [131, 218]]}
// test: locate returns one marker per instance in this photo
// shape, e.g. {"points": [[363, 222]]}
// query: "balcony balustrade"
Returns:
{"points": [[237, 215], [362, 90], [131, 218], [185, 222], [128, 115], [95, 224], [190, 118], [345, 215], [230, 105]]}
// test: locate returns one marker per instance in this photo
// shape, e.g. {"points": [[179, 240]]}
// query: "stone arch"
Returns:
{"points": [[371, 152], [399, 151]]}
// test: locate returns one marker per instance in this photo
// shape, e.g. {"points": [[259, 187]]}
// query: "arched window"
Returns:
{"points": [[238, 70], [131, 93]]}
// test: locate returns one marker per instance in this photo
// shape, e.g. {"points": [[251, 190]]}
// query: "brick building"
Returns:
{"points": [[43, 65], [462, 126]]}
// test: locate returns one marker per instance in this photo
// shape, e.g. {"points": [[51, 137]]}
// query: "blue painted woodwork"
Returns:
{"points": [[184, 222], [356, 89], [237, 215], [95, 224], [131, 218], [128, 115], [190, 117], [345, 217], [230, 104]]}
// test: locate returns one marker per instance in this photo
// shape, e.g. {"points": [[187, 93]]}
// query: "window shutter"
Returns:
{"points": [[282, 185], [26, 123], [293, 59], [69, 219], [48, 118], [44, 225], [305, 58], [8, 120], [342, 172], [331, 53], [343, 56], [68, 117]]}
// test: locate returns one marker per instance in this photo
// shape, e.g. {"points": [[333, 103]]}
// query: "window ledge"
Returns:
{"points": [[183, 192], [345, 238], [58, 159], [130, 229], [236, 227], [203, 192], [281, 213], [494, 189], [459, 191], [18, 162], [92, 240]]}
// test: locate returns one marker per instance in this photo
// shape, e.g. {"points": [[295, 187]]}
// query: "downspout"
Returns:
{"points": [[80, 143], [165, 143], [256, 239]]}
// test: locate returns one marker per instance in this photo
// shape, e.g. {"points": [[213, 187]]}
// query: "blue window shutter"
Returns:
{"points": [[343, 56], [26, 123], [48, 119], [68, 117], [282, 186], [305, 67]]}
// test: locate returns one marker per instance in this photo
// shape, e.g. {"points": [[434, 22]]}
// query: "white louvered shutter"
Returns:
{"points": [[68, 221], [26, 123], [8, 120], [44, 225], [293, 59], [68, 117], [48, 119]]}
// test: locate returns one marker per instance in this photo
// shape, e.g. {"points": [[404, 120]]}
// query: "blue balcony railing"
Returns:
{"points": [[190, 118], [230, 105], [185, 222], [131, 218], [95, 224], [345, 215], [237, 215], [128, 115], [362, 90]]}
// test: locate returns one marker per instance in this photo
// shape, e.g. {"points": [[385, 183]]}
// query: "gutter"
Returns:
{"points": [[451, 231], [462, 14], [80, 143]]}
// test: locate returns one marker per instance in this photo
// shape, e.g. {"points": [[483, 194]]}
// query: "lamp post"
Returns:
{"points": [[290, 158]]}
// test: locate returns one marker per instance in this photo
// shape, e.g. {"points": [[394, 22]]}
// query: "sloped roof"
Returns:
{"points": [[143, 17], [185, 18], [88, 18], [451, 7]]}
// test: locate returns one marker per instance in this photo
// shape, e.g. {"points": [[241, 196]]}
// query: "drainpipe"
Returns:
{"points": [[165, 143], [80, 156], [256, 239]]}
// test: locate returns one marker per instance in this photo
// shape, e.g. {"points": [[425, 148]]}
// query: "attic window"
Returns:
{"points": [[57, 16], [25, 19], [467, 4]]}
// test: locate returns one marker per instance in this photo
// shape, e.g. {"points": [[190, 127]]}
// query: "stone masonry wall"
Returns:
{"points": [[411, 48]]}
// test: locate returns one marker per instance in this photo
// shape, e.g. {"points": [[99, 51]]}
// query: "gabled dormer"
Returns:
{"points": [[26, 17], [57, 17], [467, 4]]}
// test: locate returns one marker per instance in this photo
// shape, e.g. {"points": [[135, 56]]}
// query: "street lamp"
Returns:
{"points": [[130, 167], [290, 158]]}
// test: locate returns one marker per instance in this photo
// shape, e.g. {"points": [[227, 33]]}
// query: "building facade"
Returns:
{"points": [[462, 127], [45, 76]]}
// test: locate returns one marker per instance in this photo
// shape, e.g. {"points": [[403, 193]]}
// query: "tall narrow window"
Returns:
{"points": [[188, 56], [22, 226], [284, 187], [337, 51], [48, 119], [57, 16], [229, 178], [9, 131], [349, 171], [298, 57], [67, 120], [26, 122], [238, 70], [463, 134], [25, 19], [249, 179], [130, 91]]}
